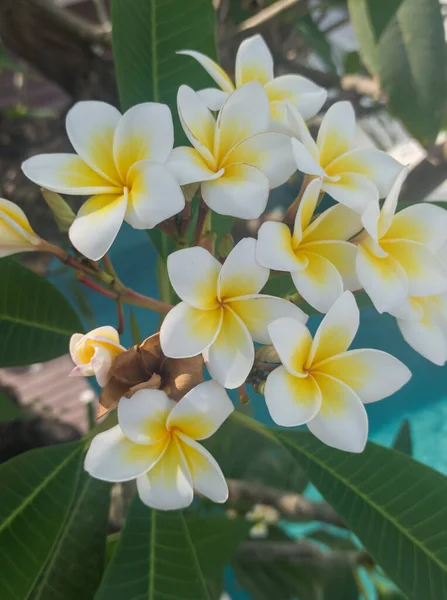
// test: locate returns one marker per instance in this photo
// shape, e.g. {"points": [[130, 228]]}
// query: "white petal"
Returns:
{"points": [[320, 283], [145, 132], [291, 401], [377, 166], [143, 417], [342, 421], [101, 363], [370, 220], [155, 195], [258, 311], [372, 374], [389, 206], [112, 457], [422, 223], [335, 223], [197, 121], [241, 274], [337, 330], [212, 68], [300, 130], [427, 335], [201, 411], [230, 357], [187, 166], [242, 192], [352, 190], [245, 113], [74, 341], [425, 272], [302, 93], [383, 279], [342, 255], [271, 153], [214, 99], [292, 341], [305, 162], [91, 126], [207, 476], [254, 61], [67, 174], [187, 331], [306, 209], [336, 133], [16, 234], [274, 248], [193, 273], [168, 485], [97, 224]]}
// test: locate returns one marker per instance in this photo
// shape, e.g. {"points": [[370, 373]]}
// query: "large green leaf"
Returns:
{"points": [[36, 321], [395, 505], [36, 492], [165, 555], [146, 36], [409, 59], [9, 410], [75, 567]]}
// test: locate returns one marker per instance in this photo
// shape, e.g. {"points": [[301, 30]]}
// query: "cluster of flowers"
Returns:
{"points": [[259, 139]]}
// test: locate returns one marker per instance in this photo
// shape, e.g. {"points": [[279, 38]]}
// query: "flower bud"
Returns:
{"points": [[16, 234], [62, 213]]}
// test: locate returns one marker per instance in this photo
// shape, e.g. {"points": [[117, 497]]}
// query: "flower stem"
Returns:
{"points": [[93, 285], [265, 366], [201, 221]]}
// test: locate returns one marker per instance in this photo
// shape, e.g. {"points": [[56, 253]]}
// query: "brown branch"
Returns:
{"points": [[301, 553], [270, 14], [291, 506]]}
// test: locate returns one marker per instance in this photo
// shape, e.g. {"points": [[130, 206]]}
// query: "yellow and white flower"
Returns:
{"points": [[423, 324], [16, 234], [323, 384], [396, 255], [222, 311], [119, 162], [317, 253], [353, 177], [93, 353], [155, 442], [236, 159], [254, 62]]}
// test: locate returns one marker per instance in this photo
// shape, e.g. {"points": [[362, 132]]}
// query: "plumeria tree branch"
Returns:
{"points": [[290, 506]]}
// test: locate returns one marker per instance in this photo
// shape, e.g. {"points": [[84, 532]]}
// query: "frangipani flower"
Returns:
{"points": [[234, 158], [353, 177], [155, 443], [423, 324], [321, 261], [93, 353], [323, 384], [222, 311], [396, 253], [119, 161], [16, 234], [254, 62]]}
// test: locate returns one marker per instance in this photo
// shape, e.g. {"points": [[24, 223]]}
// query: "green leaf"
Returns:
{"points": [[75, 567], [381, 12], [395, 505], [176, 553], [403, 441], [9, 409], [37, 490], [352, 63], [146, 36], [36, 321], [409, 59]]}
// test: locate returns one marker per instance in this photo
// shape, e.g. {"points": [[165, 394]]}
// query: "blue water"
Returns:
{"points": [[423, 401]]}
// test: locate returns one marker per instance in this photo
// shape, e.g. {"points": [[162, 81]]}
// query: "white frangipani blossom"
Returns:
{"points": [[396, 256], [254, 62], [119, 162], [222, 311], [352, 176], [93, 353], [323, 384], [16, 233], [155, 442], [236, 159], [316, 253]]}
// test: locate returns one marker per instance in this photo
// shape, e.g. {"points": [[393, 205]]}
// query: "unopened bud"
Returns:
{"points": [[226, 245], [62, 213], [267, 354], [189, 191], [259, 387]]}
